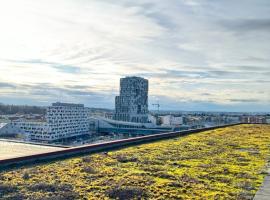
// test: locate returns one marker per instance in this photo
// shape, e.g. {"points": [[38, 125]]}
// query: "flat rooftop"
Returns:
{"points": [[225, 163], [10, 149]]}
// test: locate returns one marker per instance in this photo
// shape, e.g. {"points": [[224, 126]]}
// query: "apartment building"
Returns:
{"points": [[132, 103], [63, 120]]}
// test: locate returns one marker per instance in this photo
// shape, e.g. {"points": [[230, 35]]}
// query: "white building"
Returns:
{"points": [[8, 129], [105, 125], [171, 120], [63, 120], [152, 119], [132, 103], [103, 122], [33, 130]]}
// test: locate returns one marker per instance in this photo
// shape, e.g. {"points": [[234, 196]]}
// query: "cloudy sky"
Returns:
{"points": [[197, 54]]}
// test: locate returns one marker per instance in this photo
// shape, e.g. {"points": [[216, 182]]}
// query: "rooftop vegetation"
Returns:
{"points": [[227, 163]]}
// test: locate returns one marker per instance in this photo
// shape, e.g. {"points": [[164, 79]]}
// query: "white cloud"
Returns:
{"points": [[94, 43]]}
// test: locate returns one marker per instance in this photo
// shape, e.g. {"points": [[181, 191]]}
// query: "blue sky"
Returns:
{"points": [[197, 54]]}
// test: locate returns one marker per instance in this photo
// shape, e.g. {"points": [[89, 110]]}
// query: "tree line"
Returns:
{"points": [[21, 109]]}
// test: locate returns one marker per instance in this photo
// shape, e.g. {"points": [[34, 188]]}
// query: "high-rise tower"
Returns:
{"points": [[132, 103]]}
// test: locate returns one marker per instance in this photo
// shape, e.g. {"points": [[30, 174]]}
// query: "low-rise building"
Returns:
{"points": [[62, 120], [253, 119], [171, 120], [105, 125], [7, 129]]}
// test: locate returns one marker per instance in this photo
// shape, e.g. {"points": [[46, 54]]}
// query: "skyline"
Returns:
{"points": [[197, 54]]}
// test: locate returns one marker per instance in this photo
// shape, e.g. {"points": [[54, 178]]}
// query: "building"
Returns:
{"points": [[63, 120], [153, 119], [171, 120], [8, 129], [132, 103], [67, 120], [253, 119], [33, 130], [105, 125]]}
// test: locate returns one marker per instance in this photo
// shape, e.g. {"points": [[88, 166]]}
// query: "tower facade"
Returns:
{"points": [[132, 103]]}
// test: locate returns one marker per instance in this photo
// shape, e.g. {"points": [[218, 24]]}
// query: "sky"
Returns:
{"points": [[197, 54]]}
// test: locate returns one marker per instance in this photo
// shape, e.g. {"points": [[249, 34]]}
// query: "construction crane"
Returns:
{"points": [[157, 105]]}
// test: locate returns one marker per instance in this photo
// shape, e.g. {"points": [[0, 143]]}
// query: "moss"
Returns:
{"points": [[226, 163]]}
